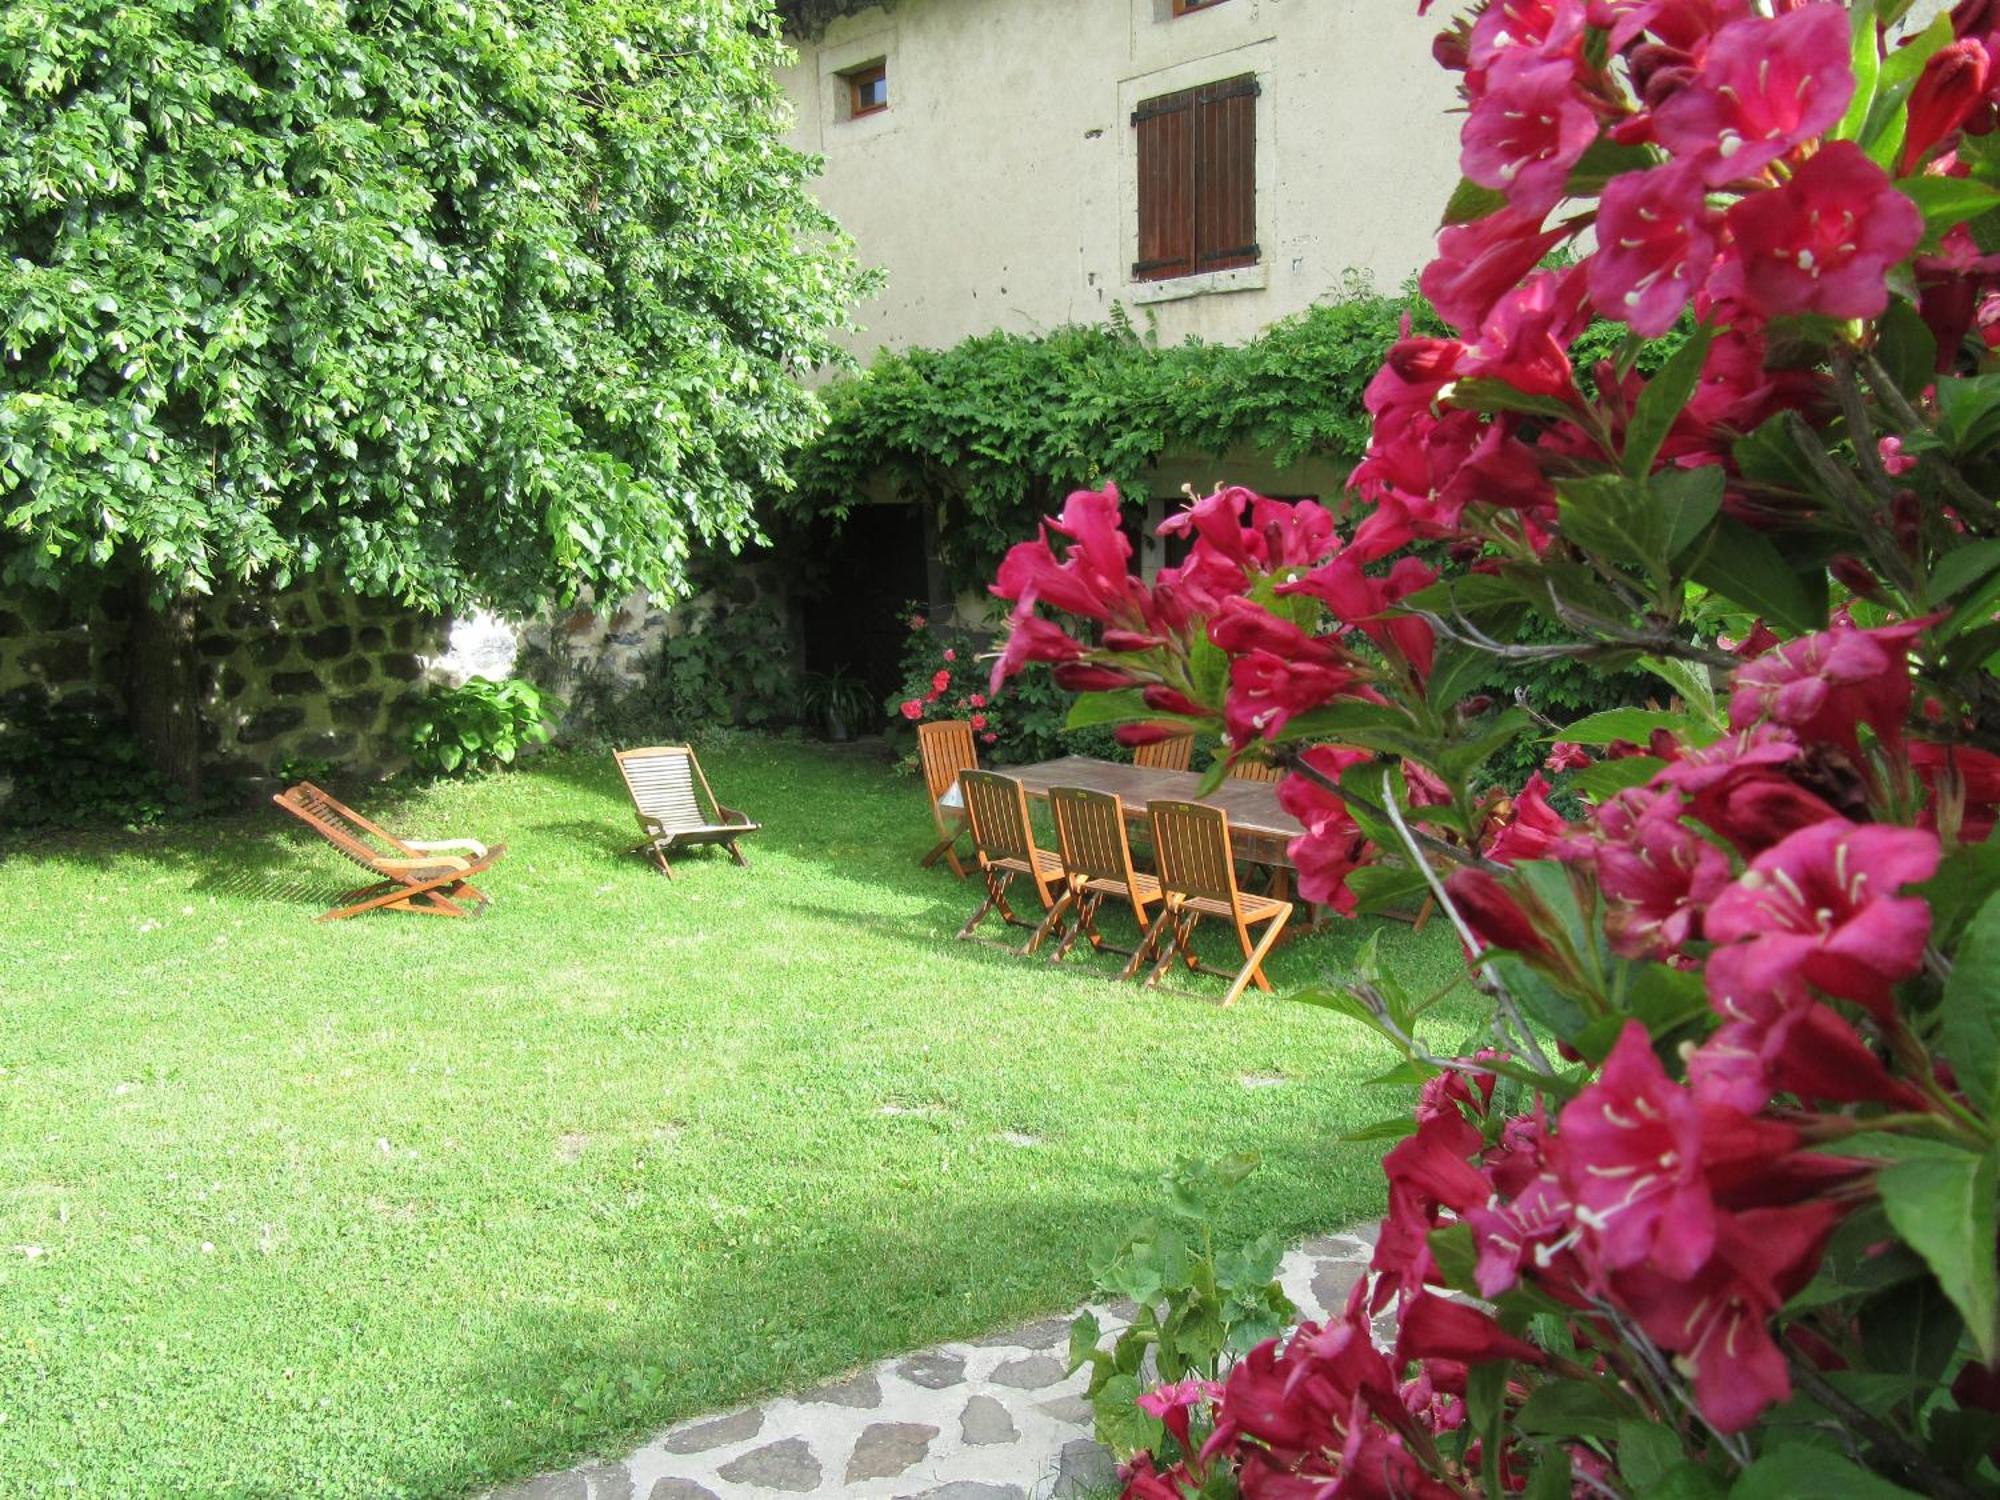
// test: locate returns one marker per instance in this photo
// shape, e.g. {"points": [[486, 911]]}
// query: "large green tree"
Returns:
{"points": [[470, 301]]}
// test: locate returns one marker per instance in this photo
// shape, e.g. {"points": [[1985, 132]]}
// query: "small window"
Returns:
{"points": [[867, 90], [1189, 7], [1197, 155]]}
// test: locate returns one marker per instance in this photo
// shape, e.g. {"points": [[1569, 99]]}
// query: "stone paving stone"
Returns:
{"points": [[1085, 1465], [545, 1487], [934, 1370], [784, 1465], [985, 1422], [886, 1449], [608, 1482], [863, 1391], [1032, 1372], [1333, 1280], [1045, 1333], [680, 1489], [967, 1489], [1076, 1409], [718, 1433]]}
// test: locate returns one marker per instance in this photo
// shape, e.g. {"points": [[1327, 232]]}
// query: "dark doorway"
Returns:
{"points": [[866, 572]]}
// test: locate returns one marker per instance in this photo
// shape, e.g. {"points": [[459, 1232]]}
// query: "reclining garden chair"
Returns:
{"points": [[1004, 841], [1097, 862], [662, 779], [945, 747], [430, 878], [1198, 879]]}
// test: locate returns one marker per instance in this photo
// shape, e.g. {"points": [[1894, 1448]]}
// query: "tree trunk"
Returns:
{"points": [[163, 691]]}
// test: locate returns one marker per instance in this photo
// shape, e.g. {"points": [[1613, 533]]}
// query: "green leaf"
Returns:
{"points": [[1968, 413], [1391, 1129], [1083, 1336], [1470, 201], [1796, 1471], [1121, 1425], [1970, 1016], [1744, 567], [1608, 778], [1647, 1451], [1662, 401], [1479, 394], [1690, 681], [1614, 516], [1571, 1409], [1946, 201], [1551, 1479], [1633, 725], [1943, 1205], [1966, 564], [1966, 881], [1124, 706], [1691, 498], [1603, 160], [1906, 347]]}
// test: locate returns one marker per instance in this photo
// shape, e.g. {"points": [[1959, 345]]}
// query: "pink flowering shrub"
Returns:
{"points": [[1713, 1212]]}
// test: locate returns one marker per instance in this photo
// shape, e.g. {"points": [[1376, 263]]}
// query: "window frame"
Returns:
{"points": [[857, 79], [1193, 7]]}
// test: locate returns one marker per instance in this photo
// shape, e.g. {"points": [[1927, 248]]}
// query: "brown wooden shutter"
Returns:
{"points": [[1225, 174], [1166, 139]]}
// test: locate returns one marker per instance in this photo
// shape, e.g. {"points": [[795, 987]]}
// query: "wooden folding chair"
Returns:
{"points": [[945, 748], [1097, 862], [1245, 768], [1003, 841], [662, 781], [1166, 755], [425, 877], [1198, 879]]}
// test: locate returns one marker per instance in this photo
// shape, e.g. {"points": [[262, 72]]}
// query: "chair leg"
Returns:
{"points": [[946, 850], [1253, 966], [1179, 944], [1084, 925], [736, 854], [996, 900], [1146, 943], [394, 894], [1052, 921], [1424, 913]]}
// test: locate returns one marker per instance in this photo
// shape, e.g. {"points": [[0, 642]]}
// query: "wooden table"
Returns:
{"points": [[1259, 829]]}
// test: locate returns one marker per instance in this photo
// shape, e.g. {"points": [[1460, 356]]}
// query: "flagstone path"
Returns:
{"points": [[993, 1419]]}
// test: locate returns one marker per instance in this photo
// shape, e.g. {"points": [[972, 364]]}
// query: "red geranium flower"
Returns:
{"points": [[978, 721], [913, 708]]}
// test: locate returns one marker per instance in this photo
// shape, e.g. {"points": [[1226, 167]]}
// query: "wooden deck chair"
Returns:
{"points": [[432, 879], [1003, 841], [662, 781], [945, 747], [1198, 879], [1097, 862], [1166, 755], [1244, 768]]}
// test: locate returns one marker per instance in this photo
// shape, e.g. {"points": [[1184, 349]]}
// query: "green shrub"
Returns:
{"points": [[71, 767], [479, 725]]}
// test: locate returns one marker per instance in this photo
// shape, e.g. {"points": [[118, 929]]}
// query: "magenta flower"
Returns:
{"points": [[1784, 1042], [1357, 599], [1823, 242], [1479, 262], [1655, 245], [1031, 638], [1656, 873], [1525, 339], [1951, 87], [1824, 686], [1172, 1405], [1563, 756], [1763, 88], [1493, 914], [1533, 828], [1092, 579], [1527, 130], [1332, 846], [1432, 1327], [1716, 1319], [1635, 1152], [1821, 906]]}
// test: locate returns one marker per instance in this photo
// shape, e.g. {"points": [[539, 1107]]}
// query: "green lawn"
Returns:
{"points": [[403, 1207]]}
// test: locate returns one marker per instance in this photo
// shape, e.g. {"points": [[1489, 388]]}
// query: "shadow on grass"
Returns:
{"points": [[580, 1383]]}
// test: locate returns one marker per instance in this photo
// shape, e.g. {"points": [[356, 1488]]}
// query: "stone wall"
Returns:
{"points": [[311, 673]]}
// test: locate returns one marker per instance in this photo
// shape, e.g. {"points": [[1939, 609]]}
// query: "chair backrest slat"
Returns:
{"points": [[945, 747], [1090, 831], [340, 825], [998, 809], [661, 779], [1173, 754], [1246, 769], [1191, 849]]}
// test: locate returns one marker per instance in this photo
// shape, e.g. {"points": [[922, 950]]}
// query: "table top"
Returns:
{"points": [[1252, 805]]}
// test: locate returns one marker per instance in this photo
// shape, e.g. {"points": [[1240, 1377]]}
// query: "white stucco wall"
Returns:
{"points": [[999, 188]]}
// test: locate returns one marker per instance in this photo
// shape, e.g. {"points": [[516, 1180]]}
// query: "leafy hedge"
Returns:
{"points": [[997, 429]]}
